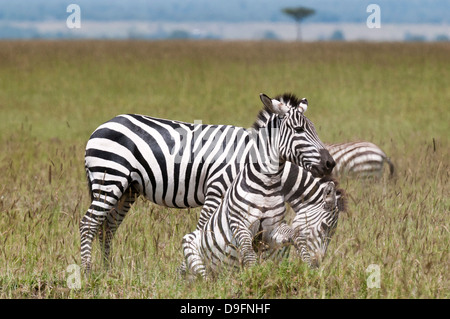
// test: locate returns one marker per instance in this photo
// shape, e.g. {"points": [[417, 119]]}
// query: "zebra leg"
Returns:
{"points": [[193, 260], [277, 241], [89, 227], [211, 204], [113, 221], [280, 236], [246, 252], [104, 237], [301, 246], [182, 269], [281, 240], [244, 244], [104, 197]]}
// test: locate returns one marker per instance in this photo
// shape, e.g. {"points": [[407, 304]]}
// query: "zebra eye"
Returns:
{"points": [[299, 129]]}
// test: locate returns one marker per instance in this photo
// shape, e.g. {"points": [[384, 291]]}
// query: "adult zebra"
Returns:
{"points": [[177, 164], [315, 201], [360, 158]]}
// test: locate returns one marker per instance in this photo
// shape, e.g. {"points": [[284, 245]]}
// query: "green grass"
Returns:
{"points": [[54, 94]]}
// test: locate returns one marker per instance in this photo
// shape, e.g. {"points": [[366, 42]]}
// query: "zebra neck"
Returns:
{"points": [[267, 154], [298, 184], [268, 175], [262, 119]]}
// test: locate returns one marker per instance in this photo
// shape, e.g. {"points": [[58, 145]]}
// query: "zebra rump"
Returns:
{"points": [[359, 159]]}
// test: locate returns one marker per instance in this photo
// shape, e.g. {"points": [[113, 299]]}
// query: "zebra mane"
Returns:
{"points": [[342, 196], [263, 116], [289, 99]]}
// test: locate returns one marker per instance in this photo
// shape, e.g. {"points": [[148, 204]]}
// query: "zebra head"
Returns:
{"points": [[315, 221], [299, 142]]}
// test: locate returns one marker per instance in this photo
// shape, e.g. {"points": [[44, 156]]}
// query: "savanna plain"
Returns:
{"points": [[393, 242]]}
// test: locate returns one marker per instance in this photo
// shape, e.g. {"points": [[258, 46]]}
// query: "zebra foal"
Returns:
{"points": [[252, 207], [316, 203]]}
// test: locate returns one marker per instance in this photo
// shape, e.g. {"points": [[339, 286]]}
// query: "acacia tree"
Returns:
{"points": [[298, 14]]}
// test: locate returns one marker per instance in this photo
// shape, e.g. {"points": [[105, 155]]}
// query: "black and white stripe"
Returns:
{"points": [[362, 159], [315, 201], [177, 164]]}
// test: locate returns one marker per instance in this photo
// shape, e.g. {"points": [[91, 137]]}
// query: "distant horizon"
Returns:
{"points": [[400, 20], [280, 31]]}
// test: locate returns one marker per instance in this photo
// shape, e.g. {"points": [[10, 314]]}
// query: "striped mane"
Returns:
{"points": [[289, 99]]}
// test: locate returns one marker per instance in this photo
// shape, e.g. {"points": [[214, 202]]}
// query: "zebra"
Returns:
{"points": [[315, 201], [363, 159], [177, 164]]}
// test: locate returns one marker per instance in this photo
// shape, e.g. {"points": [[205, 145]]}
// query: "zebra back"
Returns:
{"points": [[361, 158]]}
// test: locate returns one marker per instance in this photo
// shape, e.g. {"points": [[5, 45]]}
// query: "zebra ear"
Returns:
{"points": [[303, 105], [329, 194], [273, 105]]}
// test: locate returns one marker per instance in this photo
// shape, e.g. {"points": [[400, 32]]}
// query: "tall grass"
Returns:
{"points": [[54, 94]]}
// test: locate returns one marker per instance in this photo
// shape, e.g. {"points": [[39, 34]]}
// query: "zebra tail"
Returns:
{"points": [[89, 185]]}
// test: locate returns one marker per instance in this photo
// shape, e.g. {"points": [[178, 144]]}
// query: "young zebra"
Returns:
{"points": [[363, 159], [316, 204], [177, 164]]}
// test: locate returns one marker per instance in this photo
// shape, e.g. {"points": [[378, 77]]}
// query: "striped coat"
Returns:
{"points": [[359, 159], [315, 201], [176, 164]]}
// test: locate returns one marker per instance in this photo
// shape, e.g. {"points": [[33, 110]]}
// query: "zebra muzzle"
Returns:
{"points": [[326, 165]]}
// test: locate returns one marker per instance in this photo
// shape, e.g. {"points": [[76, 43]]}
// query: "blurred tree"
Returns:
{"points": [[298, 14], [337, 35]]}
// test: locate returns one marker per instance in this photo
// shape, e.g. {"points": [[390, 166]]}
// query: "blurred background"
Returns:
{"points": [[400, 20]]}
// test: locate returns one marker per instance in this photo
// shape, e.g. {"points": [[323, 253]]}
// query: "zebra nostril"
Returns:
{"points": [[327, 162], [330, 164]]}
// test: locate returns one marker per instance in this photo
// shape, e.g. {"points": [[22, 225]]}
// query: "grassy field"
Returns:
{"points": [[54, 94]]}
